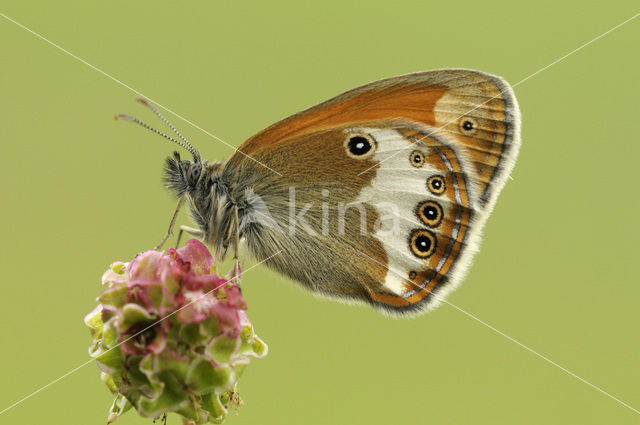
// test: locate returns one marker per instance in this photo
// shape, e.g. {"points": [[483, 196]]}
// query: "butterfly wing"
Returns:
{"points": [[443, 143], [478, 111]]}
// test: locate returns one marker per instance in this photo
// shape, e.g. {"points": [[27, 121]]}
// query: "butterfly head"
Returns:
{"points": [[196, 180], [200, 184], [183, 176]]}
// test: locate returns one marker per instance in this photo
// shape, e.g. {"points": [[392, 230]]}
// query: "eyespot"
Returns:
{"points": [[468, 125], [412, 275], [417, 159], [430, 213], [359, 146], [193, 173], [422, 243], [436, 185]]}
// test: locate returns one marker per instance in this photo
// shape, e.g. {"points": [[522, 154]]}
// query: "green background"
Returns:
{"points": [[557, 270]]}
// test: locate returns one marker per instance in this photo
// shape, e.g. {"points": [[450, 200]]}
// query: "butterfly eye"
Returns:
{"points": [[417, 159], [193, 173], [436, 185], [430, 213], [422, 243], [359, 146], [468, 125]]}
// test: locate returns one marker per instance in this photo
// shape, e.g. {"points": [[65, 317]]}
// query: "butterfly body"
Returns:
{"points": [[378, 195]]}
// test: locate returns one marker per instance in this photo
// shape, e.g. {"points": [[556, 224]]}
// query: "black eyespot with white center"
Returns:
{"points": [[417, 159], [436, 185], [468, 125], [422, 243], [430, 213], [359, 146]]}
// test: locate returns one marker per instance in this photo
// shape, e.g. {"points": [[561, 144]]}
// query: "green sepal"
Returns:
{"points": [[132, 314], [149, 367], [203, 377], [109, 333], [223, 347], [191, 412], [239, 365], [217, 412], [155, 294], [118, 267], [190, 333], [174, 364], [260, 349], [246, 340], [110, 359], [116, 297], [171, 398], [119, 406], [108, 381], [93, 321], [210, 328]]}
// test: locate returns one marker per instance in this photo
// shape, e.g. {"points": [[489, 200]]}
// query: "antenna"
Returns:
{"points": [[186, 145]]}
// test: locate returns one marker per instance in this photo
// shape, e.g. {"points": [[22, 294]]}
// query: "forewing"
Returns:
{"points": [[475, 110]]}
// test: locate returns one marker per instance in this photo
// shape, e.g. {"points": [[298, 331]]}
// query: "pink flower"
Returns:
{"points": [[170, 335]]}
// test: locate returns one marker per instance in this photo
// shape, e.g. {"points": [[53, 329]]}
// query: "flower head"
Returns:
{"points": [[170, 335]]}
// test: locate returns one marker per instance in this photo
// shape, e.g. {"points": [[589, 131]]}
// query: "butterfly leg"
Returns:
{"points": [[173, 222], [237, 269], [236, 225], [190, 230]]}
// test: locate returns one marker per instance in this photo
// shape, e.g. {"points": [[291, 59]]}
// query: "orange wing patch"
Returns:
{"points": [[476, 110]]}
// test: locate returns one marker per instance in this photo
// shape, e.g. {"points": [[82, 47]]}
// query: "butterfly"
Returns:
{"points": [[378, 195]]}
